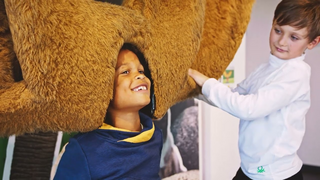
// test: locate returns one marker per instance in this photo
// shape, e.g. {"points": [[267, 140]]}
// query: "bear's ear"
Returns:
{"points": [[67, 51], [203, 35]]}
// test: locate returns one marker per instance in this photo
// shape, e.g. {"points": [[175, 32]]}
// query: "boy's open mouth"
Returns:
{"points": [[139, 88]]}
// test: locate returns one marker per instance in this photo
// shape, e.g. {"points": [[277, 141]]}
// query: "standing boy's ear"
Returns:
{"points": [[314, 43]]}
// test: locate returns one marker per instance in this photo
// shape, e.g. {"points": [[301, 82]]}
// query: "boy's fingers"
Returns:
{"points": [[190, 72], [197, 76], [193, 73]]}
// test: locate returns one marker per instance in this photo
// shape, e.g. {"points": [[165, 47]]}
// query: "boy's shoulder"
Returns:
{"points": [[298, 66], [90, 137]]}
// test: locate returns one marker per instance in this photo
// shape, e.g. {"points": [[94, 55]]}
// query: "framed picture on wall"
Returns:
{"points": [[180, 152]]}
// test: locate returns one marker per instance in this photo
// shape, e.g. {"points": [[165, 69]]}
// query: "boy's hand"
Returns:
{"points": [[198, 77]]}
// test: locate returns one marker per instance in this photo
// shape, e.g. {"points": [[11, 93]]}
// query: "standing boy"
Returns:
{"points": [[273, 100]]}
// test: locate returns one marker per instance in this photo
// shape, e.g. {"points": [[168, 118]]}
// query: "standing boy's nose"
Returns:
{"points": [[282, 41]]}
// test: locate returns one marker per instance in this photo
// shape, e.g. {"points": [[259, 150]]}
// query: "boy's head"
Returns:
{"points": [[299, 14], [295, 28], [132, 83]]}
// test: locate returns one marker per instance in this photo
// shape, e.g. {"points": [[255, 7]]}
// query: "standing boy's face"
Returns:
{"points": [[286, 42], [131, 86]]}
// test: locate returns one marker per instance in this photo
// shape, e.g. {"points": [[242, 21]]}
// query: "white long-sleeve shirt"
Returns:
{"points": [[271, 104]]}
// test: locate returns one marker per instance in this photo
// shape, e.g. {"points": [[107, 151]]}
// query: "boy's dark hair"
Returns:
{"points": [[299, 14], [149, 109]]}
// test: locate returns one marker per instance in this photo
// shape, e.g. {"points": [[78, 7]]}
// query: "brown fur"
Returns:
{"points": [[67, 50]]}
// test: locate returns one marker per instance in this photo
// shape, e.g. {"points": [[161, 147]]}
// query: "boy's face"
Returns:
{"points": [[286, 42], [131, 86]]}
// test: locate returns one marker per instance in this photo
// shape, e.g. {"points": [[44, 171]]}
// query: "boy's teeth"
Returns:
{"points": [[140, 88]]}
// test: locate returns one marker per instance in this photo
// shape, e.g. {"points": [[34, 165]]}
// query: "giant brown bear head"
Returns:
{"points": [[57, 57]]}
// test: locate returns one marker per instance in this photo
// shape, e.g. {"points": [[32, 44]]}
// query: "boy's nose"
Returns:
{"points": [[140, 76], [282, 41]]}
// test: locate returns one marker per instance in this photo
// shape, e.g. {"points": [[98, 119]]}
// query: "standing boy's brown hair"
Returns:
{"points": [[299, 14]]}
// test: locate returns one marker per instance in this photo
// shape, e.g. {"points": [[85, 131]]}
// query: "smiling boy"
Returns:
{"points": [[128, 145]]}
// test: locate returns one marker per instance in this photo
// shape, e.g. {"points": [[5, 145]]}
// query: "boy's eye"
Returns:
{"points": [[125, 72], [141, 72], [294, 38], [277, 30]]}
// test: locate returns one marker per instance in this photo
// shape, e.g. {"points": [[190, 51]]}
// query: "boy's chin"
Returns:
{"points": [[145, 103], [141, 104], [133, 105]]}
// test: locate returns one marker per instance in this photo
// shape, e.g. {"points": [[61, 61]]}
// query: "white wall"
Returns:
{"points": [[219, 157], [257, 52], [257, 47], [310, 148], [9, 156]]}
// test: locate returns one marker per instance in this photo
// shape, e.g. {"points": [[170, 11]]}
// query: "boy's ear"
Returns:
{"points": [[314, 43]]}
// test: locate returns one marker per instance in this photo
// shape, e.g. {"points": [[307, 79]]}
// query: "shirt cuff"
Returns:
{"points": [[208, 85]]}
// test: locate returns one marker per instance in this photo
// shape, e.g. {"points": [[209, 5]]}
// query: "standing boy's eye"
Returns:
{"points": [[277, 30], [125, 72], [294, 38]]}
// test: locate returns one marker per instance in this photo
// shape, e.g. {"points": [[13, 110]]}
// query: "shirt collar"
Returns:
{"points": [[277, 62], [145, 134]]}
